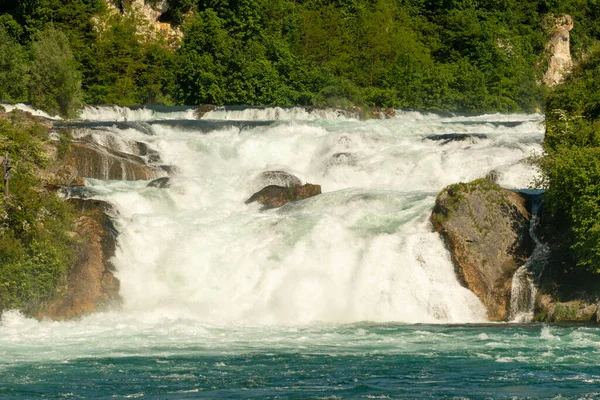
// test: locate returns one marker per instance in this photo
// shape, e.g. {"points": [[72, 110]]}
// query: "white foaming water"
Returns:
{"points": [[278, 114], [524, 289], [29, 109], [364, 250], [116, 113]]}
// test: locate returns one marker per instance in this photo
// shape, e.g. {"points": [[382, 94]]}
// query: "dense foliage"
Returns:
{"points": [[35, 248], [468, 55], [54, 83], [571, 165]]}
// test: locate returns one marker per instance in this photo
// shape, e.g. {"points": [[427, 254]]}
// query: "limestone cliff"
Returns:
{"points": [[148, 17], [486, 230], [558, 47]]}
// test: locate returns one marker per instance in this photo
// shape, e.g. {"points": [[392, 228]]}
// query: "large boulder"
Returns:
{"points": [[274, 196], [486, 229], [91, 285]]}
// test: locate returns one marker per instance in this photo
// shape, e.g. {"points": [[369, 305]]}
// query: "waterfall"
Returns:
{"points": [[364, 250], [525, 279]]}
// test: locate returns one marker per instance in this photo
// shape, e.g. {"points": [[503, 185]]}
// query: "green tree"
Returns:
{"points": [[55, 83], [13, 69]]}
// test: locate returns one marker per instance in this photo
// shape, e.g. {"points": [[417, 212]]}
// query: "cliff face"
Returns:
{"points": [[558, 46], [148, 17], [486, 230]]}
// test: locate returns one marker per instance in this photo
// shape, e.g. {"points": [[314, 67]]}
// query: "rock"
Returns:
{"points": [[91, 285], [558, 46], [274, 178], [62, 176], [598, 313], [149, 17], [161, 183], [456, 137], [94, 161], [549, 310], [276, 196], [203, 109], [485, 228], [380, 113], [2, 109]]}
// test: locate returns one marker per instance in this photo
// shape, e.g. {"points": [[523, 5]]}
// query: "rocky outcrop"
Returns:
{"points": [[558, 47], [485, 228], [94, 161], [91, 285], [149, 17], [276, 196], [549, 310]]}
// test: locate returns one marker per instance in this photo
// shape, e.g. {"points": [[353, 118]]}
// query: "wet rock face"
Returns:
{"points": [[93, 161], [485, 229], [91, 284], [276, 196]]}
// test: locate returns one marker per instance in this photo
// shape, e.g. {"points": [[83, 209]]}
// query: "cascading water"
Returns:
{"points": [[525, 279], [312, 300], [363, 250]]}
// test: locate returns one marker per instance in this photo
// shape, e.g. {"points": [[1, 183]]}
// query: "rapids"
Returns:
{"points": [[364, 250]]}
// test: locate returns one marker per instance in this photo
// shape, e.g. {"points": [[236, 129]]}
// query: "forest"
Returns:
{"points": [[439, 55]]}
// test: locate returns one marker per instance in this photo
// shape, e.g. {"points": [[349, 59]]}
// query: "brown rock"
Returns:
{"points": [[276, 196], [486, 230], [550, 310], [93, 161], [203, 109], [91, 285]]}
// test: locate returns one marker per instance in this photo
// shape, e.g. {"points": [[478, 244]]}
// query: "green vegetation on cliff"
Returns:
{"points": [[474, 56], [571, 165], [35, 246]]}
